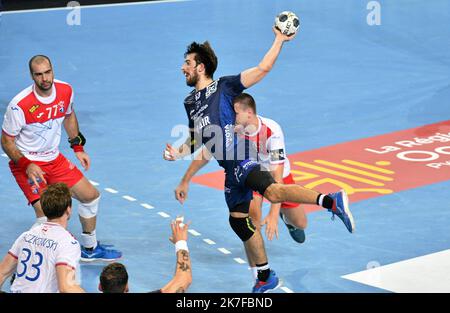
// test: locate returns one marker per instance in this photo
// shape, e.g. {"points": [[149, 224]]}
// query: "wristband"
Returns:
{"points": [[78, 148], [181, 245], [79, 140], [23, 163]]}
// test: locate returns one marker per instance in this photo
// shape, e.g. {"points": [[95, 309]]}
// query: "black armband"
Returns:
{"points": [[79, 140]]}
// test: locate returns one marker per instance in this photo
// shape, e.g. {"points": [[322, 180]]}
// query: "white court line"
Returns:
{"points": [[4, 155], [92, 6], [129, 198], [194, 232], [209, 241], [427, 273], [163, 214], [286, 289], [111, 190], [239, 260], [224, 251]]}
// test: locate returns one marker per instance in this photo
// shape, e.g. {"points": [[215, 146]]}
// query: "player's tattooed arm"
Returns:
{"points": [[183, 275], [183, 261]]}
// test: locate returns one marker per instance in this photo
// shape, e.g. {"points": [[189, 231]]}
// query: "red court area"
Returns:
{"points": [[369, 167]]}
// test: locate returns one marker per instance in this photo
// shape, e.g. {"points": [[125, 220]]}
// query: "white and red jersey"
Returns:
{"points": [[35, 121], [269, 141], [38, 252]]}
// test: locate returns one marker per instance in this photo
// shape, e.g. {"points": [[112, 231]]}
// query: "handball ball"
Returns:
{"points": [[287, 22]]}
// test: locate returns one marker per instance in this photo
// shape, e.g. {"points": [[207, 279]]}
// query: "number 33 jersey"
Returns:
{"points": [[38, 252], [35, 121]]}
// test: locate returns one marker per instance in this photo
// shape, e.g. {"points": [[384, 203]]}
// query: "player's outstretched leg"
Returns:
{"points": [[336, 203]]}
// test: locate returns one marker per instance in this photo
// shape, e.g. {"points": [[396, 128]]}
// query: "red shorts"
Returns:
{"points": [[284, 205], [60, 170]]}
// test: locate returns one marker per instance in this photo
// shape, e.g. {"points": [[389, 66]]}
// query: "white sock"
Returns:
{"points": [[39, 221], [263, 268], [254, 272], [89, 240], [321, 200]]}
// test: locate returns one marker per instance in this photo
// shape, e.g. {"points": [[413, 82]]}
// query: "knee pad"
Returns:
{"points": [[88, 210], [243, 227]]}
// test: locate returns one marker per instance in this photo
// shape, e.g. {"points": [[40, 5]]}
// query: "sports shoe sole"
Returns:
{"points": [[347, 211], [280, 283]]}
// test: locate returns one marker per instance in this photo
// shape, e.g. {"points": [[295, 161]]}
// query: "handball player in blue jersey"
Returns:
{"points": [[211, 122]]}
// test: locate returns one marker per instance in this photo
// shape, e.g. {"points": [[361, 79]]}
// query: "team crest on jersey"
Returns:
{"points": [[34, 189], [211, 89], [33, 108], [61, 106]]}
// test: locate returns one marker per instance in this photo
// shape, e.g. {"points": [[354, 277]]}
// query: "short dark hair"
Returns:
{"points": [[55, 200], [38, 58], [114, 278], [246, 101], [203, 54]]}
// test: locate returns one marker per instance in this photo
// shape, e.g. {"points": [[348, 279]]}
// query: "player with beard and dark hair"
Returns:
{"points": [[211, 122]]}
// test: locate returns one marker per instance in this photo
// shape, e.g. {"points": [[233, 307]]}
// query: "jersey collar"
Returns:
{"points": [[46, 100]]}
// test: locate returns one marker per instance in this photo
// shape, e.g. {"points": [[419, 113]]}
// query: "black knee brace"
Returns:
{"points": [[243, 227]]}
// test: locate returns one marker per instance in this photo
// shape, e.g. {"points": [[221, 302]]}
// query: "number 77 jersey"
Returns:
{"points": [[35, 121], [38, 252]]}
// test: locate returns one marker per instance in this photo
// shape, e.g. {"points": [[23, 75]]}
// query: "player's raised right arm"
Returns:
{"points": [[253, 75]]}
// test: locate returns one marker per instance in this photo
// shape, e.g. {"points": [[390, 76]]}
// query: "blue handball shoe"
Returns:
{"points": [[296, 233], [341, 209], [100, 253], [272, 283]]}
